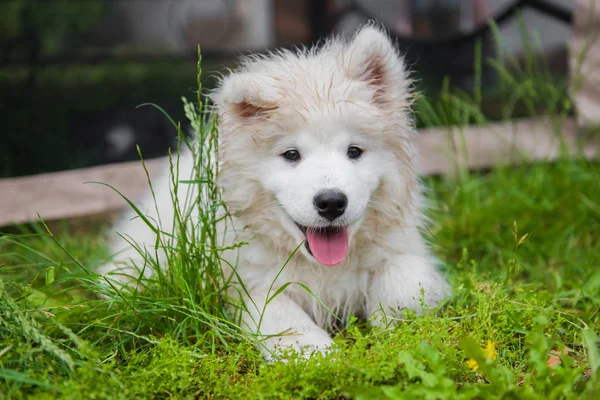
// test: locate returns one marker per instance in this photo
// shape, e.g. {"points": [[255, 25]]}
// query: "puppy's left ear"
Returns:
{"points": [[372, 57]]}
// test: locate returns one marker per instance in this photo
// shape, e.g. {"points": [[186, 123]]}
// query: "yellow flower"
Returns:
{"points": [[490, 353], [490, 350], [472, 364]]}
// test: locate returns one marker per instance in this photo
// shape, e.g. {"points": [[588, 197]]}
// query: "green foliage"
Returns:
{"points": [[35, 347], [525, 88], [52, 22], [75, 91]]}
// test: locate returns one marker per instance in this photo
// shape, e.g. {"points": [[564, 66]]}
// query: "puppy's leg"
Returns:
{"points": [[406, 282], [133, 229], [284, 324], [159, 210]]}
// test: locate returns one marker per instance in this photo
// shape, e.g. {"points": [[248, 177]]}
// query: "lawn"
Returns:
{"points": [[520, 245]]}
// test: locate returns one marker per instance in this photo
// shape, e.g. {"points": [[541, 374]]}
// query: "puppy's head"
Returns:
{"points": [[318, 142]]}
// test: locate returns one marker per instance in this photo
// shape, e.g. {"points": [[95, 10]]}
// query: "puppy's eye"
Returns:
{"points": [[291, 155], [354, 152]]}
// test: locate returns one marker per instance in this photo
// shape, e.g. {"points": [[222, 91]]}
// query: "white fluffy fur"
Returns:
{"points": [[320, 102]]}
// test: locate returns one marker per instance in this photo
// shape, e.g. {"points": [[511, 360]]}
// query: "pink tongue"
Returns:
{"points": [[328, 247]]}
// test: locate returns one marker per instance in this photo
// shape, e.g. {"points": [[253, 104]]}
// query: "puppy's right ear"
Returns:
{"points": [[246, 96], [373, 58]]}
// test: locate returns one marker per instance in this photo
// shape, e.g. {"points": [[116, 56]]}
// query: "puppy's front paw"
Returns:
{"points": [[120, 276], [411, 283], [304, 344]]}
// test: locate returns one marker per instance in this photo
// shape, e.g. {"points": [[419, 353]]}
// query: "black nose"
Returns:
{"points": [[331, 204]]}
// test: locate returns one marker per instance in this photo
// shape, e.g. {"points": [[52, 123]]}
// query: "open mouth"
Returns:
{"points": [[329, 245]]}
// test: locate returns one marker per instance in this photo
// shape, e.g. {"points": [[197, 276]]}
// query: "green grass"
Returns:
{"points": [[520, 245]]}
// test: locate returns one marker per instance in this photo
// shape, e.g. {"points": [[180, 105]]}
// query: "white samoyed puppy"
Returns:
{"points": [[315, 146]]}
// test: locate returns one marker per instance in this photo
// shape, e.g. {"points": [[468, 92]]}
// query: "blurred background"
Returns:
{"points": [[73, 72]]}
